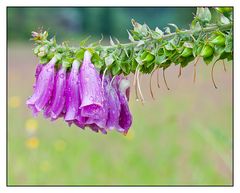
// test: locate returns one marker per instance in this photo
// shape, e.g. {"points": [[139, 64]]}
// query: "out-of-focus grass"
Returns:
{"points": [[183, 137]]}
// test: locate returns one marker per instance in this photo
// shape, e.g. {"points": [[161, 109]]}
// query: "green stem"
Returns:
{"points": [[208, 29]]}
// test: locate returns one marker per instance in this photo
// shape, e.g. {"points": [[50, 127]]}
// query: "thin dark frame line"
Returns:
{"points": [[232, 136]]}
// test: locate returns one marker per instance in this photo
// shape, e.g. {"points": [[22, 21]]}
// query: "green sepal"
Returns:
{"points": [[229, 44], [185, 61], [160, 59], [149, 58], [44, 60], [115, 69], [67, 62], [97, 61], [147, 69], [208, 60], [186, 52], [126, 69], [143, 55], [219, 40], [50, 55], [134, 65], [80, 54], [207, 51]]}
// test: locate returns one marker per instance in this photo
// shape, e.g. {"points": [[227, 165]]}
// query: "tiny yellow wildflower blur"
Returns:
{"points": [[32, 143], [60, 145], [130, 134], [14, 102], [31, 125], [45, 166]]}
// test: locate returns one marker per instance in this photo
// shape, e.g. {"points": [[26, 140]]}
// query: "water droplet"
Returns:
{"points": [[91, 98], [62, 75], [49, 69]]}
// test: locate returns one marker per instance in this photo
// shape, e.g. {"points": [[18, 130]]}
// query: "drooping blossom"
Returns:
{"points": [[114, 107], [125, 118], [82, 96], [72, 93], [43, 87], [92, 93], [99, 120], [58, 100]]}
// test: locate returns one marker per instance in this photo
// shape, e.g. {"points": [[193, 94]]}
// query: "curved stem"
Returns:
{"points": [[139, 87], [158, 74], [103, 77], [180, 71], [212, 74], [164, 78], [224, 66], [112, 80], [151, 91], [135, 83], [195, 70]]}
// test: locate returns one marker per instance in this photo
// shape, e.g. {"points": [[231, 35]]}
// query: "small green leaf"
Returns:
{"points": [[196, 27], [116, 69], [140, 43], [169, 46], [187, 60], [218, 50], [175, 26], [134, 65], [84, 41], [160, 32], [228, 43], [125, 68], [203, 14], [224, 20], [167, 30], [188, 44], [111, 42], [80, 54], [50, 55], [97, 61], [109, 60], [44, 60], [144, 55], [36, 49], [137, 26], [130, 37], [160, 59]]}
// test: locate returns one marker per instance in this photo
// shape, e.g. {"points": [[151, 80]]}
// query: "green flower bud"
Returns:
{"points": [[143, 55], [41, 54], [149, 58], [36, 49], [224, 9], [219, 40], [207, 51], [186, 52], [50, 55]]}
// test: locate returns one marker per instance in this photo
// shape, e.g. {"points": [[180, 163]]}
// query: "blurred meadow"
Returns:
{"points": [[183, 137]]}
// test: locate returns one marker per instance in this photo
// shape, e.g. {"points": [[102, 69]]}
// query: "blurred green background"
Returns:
{"points": [[183, 137]]}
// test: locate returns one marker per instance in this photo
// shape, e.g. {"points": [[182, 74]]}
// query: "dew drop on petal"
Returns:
{"points": [[62, 75]]}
